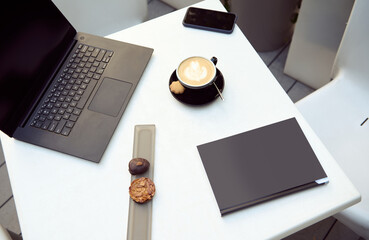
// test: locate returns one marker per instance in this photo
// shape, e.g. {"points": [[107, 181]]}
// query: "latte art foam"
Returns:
{"points": [[196, 71]]}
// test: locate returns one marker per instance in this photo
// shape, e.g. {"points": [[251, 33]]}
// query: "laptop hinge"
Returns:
{"points": [[49, 81]]}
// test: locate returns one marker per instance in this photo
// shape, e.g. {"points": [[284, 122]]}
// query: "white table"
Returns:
{"points": [[62, 197]]}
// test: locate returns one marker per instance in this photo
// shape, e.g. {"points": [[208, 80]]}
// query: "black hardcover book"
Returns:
{"points": [[260, 165]]}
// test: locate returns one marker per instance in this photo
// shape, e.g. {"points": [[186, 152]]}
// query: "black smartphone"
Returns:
{"points": [[209, 20]]}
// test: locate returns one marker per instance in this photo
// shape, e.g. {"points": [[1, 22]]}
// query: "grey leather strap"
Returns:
{"points": [[139, 216]]}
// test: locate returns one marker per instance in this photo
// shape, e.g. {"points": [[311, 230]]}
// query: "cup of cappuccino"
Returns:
{"points": [[197, 72]]}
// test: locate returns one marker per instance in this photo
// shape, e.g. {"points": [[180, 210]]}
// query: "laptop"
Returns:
{"points": [[60, 89]]}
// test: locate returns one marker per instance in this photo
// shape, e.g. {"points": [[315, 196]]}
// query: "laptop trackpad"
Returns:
{"points": [[110, 97]]}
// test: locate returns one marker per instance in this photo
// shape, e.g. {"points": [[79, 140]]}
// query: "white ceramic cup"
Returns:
{"points": [[197, 72]]}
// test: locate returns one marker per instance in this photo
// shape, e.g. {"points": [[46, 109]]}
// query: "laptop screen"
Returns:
{"points": [[35, 36]]}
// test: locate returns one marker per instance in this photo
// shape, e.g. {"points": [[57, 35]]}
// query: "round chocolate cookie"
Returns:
{"points": [[138, 166], [142, 190]]}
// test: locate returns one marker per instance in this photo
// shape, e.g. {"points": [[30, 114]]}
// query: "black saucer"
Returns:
{"points": [[199, 96]]}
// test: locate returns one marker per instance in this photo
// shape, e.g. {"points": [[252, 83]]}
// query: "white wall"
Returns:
{"points": [[103, 17], [178, 4]]}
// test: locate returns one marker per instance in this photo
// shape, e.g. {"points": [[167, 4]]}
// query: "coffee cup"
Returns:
{"points": [[197, 72]]}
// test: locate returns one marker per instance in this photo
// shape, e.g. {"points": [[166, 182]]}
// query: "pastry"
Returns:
{"points": [[176, 87], [142, 190], [138, 166]]}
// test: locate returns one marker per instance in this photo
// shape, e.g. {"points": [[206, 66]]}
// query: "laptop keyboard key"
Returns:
{"points": [[38, 124], [46, 124], [95, 52], [96, 76], [60, 126], [65, 131], [73, 118], [84, 48], [101, 55], [53, 126], [69, 124]]}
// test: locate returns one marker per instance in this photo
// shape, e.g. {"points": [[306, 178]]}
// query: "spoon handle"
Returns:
{"points": [[220, 93]]}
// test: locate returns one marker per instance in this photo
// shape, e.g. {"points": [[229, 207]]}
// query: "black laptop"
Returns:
{"points": [[61, 89]]}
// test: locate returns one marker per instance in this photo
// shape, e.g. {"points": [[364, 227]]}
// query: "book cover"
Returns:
{"points": [[260, 165]]}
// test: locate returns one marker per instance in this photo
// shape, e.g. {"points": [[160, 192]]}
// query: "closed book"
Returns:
{"points": [[261, 164]]}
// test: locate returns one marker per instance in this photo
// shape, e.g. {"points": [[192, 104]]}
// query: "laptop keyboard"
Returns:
{"points": [[68, 95]]}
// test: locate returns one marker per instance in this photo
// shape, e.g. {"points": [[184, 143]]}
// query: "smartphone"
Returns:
{"points": [[209, 20]]}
